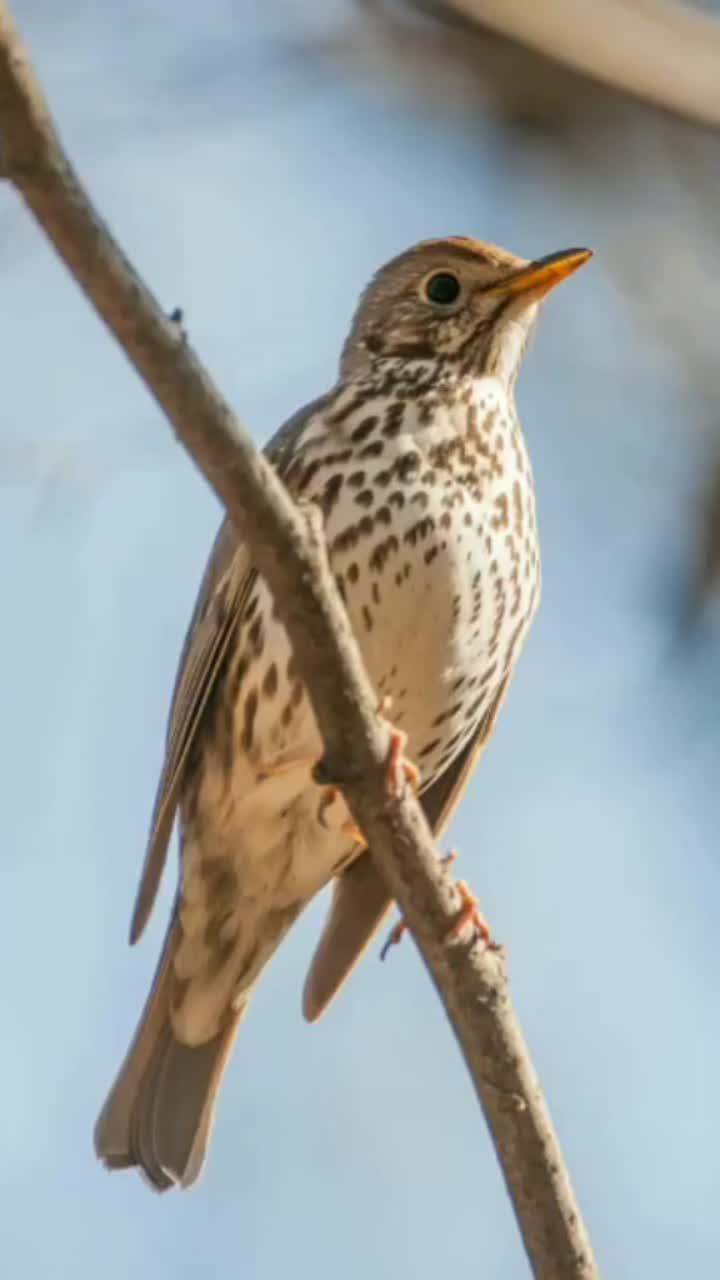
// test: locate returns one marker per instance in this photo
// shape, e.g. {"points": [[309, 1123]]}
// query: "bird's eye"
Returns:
{"points": [[443, 288]]}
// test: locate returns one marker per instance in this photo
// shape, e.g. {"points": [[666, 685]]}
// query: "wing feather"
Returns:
{"points": [[228, 578]]}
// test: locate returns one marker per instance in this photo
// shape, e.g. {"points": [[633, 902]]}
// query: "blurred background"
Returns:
{"points": [[258, 162]]}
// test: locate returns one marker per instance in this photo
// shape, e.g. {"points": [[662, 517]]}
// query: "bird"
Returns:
{"points": [[417, 461]]}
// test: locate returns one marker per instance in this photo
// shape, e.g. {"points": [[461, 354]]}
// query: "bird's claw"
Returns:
{"points": [[400, 770], [394, 937], [469, 912]]}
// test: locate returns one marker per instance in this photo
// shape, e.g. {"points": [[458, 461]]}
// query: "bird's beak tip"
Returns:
{"points": [[542, 275]]}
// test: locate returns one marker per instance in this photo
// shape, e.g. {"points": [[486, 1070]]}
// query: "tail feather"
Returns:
{"points": [[160, 1111]]}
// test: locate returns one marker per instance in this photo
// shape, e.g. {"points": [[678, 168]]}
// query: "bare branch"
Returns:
{"points": [[289, 551]]}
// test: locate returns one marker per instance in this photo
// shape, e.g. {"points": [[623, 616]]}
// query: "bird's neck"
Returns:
{"points": [[432, 380]]}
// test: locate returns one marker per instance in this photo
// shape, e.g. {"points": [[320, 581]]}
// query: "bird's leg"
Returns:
{"points": [[399, 930], [399, 769], [470, 914]]}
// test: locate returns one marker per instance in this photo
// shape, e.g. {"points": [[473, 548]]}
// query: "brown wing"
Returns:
{"points": [[360, 900], [205, 646], [208, 636]]}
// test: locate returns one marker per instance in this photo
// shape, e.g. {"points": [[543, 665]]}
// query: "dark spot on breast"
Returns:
{"points": [[383, 516], [364, 498], [372, 450], [356, 480], [408, 466], [346, 539], [367, 618], [430, 554], [445, 520], [353, 572], [431, 746], [474, 708], [417, 532], [296, 696], [448, 714], [363, 429], [387, 547], [501, 518], [308, 475], [394, 415], [375, 593], [346, 410], [331, 493]]}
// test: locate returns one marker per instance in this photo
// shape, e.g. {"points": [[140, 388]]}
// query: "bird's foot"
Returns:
{"points": [[398, 930], [331, 796], [395, 936], [470, 914], [400, 770]]}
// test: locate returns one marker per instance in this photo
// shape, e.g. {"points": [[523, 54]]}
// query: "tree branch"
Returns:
{"points": [[657, 50], [289, 551]]}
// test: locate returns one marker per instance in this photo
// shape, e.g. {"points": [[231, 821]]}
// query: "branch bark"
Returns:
{"points": [[289, 551]]}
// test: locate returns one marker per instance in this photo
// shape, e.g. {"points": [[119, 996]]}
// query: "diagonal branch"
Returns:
{"points": [[289, 551]]}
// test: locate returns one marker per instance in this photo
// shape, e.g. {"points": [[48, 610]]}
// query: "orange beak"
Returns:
{"points": [[539, 277]]}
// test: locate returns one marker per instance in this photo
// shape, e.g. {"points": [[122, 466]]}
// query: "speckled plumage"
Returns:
{"points": [[418, 463]]}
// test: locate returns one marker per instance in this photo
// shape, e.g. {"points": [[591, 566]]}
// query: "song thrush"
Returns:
{"points": [[417, 460]]}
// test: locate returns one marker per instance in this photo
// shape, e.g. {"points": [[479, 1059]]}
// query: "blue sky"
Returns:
{"points": [[257, 187]]}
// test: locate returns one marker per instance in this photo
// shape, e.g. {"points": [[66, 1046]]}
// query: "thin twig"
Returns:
{"points": [[289, 551]]}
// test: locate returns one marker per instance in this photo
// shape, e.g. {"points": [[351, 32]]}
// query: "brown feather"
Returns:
{"points": [[205, 645], [160, 1110]]}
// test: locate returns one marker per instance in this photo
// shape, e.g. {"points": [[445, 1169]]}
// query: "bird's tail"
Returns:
{"points": [[159, 1113]]}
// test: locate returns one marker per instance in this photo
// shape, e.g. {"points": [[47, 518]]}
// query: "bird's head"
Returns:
{"points": [[455, 300]]}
